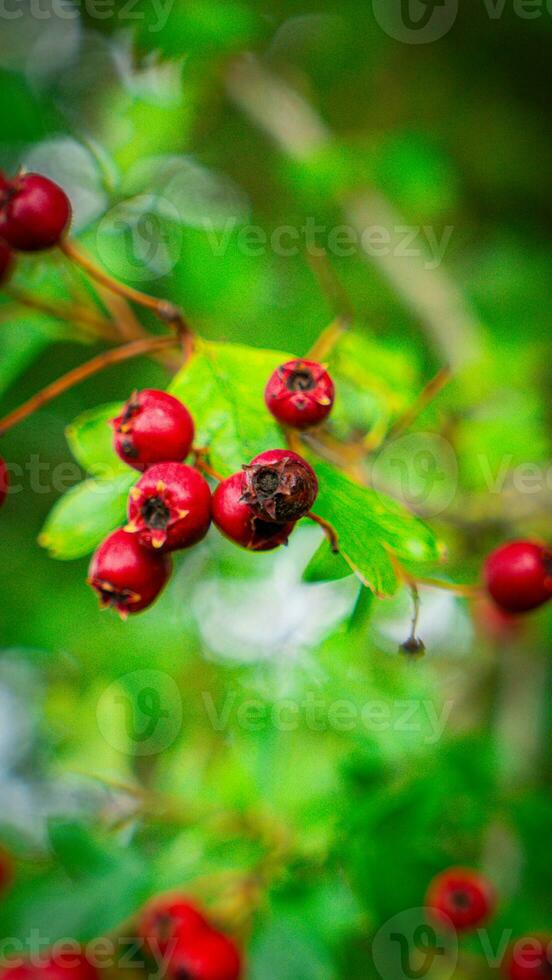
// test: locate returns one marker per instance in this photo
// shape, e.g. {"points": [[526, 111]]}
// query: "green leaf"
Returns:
{"points": [[325, 566], [223, 387], [369, 524], [82, 518], [90, 439]]}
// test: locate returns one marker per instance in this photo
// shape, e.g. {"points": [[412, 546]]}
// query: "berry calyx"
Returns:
{"points": [[235, 519], [460, 899], [280, 486], [170, 507], [210, 955], [518, 576], [166, 919], [126, 576], [300, 394], [4, 481], [6, 261], [413, 647], [153, 427], [529, 958], [34, 212]]}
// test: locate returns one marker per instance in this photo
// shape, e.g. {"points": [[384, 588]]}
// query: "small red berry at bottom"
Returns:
{"points": [[518, 576], [126, 576], [34, 212], [210, 955], [300, 394], [279, 485], [236, 520], [6, 261], [166, 918], [460, 899], [4, 481], [153, 427], [170, 507], [529, 958]]}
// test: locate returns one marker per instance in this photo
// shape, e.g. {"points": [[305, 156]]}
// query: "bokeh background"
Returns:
{"points": [[306, 825]]}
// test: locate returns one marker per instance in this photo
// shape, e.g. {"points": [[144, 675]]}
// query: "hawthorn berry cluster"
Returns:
{"points": [[171, 507], [463, 900], [174, 928]]}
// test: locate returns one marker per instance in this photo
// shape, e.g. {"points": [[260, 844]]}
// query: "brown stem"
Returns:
{"points": [[329, 530], [80, 373], [426, 396], [98, 325], [201, 463], [167, 312]]}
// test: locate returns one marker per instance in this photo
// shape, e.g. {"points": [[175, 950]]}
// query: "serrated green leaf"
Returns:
{"points": [[325, 566], [369, 525], [83, 517], [223, 387], [90, 439]]}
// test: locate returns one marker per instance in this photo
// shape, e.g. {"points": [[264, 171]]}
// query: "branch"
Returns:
{"points": [[329, 530], [98, 325]]}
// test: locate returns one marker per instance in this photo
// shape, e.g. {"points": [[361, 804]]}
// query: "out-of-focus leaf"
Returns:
{"points": [[90, 439], [223, 388], [83, 517]]}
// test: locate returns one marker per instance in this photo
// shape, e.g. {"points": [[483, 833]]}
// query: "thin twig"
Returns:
{"points": [[80, 373], [94, 323], [329, 530], [425, 397]]}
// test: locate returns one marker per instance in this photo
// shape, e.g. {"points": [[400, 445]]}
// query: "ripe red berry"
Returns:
{"points": [[170, 507], [153, 428], [529, 958], [518, 576], [461, 899], [6, 261], [210, 955], [4, 481], [300, 394], [279, 486], [166, 919], [34, 212], [126, 576], [236, 520]]}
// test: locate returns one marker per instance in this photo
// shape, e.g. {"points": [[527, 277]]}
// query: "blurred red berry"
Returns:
{"points": [[6, 870], [166, 919], [126, 576], [518, 576], [170, 507], [4, 481], [6, 261], [529, 958], [210, 955], [460, 898], [236, 520], [153, 428], [34, 212], [279, 485], [300, 394]]}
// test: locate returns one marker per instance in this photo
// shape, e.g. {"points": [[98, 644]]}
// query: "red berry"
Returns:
{"points": [[236, 520], [6, 261], [6, 870], [4, 481], [279, 486], [300, 394], [125, 575], [529, 958], [34, 212], [166, 919], [518, 576], [208, 956], [170, 507], [461, 899], [153, 428]]}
